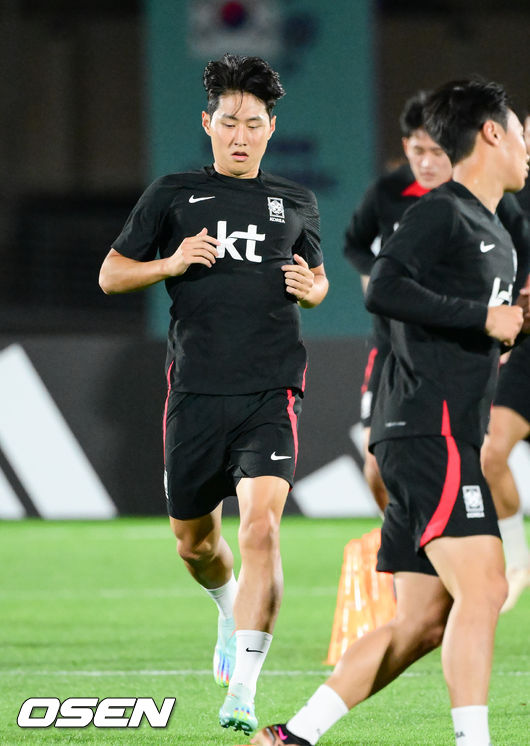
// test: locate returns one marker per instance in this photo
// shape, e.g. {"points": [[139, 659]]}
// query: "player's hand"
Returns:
{"points": [[199, 249], [299, 279], [504, 323], [524, 302]]}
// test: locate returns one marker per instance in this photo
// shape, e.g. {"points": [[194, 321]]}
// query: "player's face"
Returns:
{"points": [[514, 154], [240, 129], [527, 133], [429, 163]]}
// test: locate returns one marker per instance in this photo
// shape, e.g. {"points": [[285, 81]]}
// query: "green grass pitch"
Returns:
{"points": [[107, 610]]}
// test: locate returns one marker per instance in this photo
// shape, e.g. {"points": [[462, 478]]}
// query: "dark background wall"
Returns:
{"points": [[79, 137]]}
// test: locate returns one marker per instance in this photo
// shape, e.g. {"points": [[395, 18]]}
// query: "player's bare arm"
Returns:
{"points": [[309, 286], [120, 274], [504, 323]]}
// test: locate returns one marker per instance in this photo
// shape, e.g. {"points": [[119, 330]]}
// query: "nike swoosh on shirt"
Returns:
{"points": [[193, 198], [486, 246], [274, 457]]}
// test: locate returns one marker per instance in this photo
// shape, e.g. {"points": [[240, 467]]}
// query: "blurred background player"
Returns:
{"points": [[372, 223], [445, 279], [239, 252], [510, 423]]}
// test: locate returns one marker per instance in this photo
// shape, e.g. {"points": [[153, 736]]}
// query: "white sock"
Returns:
{"points": [[317, 716], [252, 647], [514, 540], [224, 597], [471, 725]]}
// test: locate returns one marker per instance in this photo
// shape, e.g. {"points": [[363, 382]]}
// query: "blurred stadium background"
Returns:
{"points": [[101, 96]]}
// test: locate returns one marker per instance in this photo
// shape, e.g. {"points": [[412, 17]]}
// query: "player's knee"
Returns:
{"points": [[433, 635], [484, 597], [497, 591], [195, 552], [423, 628], [259, 533], [494, 460]]}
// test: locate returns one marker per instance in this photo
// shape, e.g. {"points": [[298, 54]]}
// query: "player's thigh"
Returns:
{"points": [[469, 566], [196, 478], [264, 442], [513, 387], [261, 498], [398, 553], [506, 428], [201, 533], [438, 484]]}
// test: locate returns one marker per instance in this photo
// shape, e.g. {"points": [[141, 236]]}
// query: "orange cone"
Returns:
{"points": [[365, 598]]}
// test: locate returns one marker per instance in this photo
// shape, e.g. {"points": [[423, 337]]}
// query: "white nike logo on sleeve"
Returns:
{"points": [[486, 246], [274, 457]]}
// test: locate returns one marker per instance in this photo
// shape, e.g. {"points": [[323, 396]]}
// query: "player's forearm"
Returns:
{"points": [[119, 274], [360, 256], [317, 293], [391, 293]]}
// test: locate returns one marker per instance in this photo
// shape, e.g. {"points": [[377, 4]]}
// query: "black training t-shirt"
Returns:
{"points": [[234, 329], [372, 223], [378, 215], [435, 278]]}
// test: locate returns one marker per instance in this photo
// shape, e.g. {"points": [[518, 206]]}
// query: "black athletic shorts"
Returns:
{"points": [[513, 388], [436, 488], [211, 442], [372, 376]]}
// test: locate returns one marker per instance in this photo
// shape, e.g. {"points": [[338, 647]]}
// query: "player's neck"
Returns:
{"points": [[252, 174], [480, 173], [486, 189]]}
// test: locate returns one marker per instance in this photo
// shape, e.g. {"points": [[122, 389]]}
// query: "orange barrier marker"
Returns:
{"points": [[365, 599]]}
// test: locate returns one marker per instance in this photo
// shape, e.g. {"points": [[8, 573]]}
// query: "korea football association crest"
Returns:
{"points": [[276, 211], [473, 501]]}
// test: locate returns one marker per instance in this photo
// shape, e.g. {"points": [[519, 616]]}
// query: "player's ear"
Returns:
{"points": [[491, 132], [405, 144], [273, 127], [206, 121]]}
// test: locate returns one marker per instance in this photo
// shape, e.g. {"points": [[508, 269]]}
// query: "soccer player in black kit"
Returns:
{"points": [[445, 278], [239, 253], [372, 223]]}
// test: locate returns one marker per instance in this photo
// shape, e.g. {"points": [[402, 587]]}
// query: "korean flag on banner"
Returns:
{"points": [[250, 27]]}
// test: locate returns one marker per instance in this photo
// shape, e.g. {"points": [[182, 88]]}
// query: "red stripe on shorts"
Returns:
{"points": [[164, 421], [292, 416], [451, 487], [303, 378], [368, 370]]}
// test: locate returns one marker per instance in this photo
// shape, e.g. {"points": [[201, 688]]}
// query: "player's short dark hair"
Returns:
{"points": [[246, 74], [455, 112], [411, 117]]}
